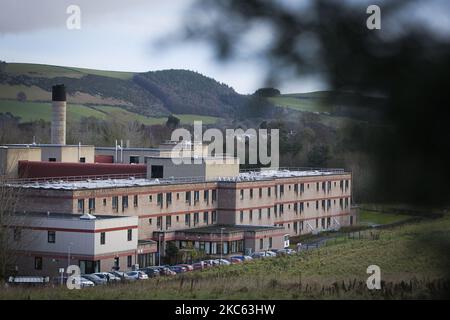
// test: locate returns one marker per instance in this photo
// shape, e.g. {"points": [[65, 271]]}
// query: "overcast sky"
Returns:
{"points": [[120, 35]]}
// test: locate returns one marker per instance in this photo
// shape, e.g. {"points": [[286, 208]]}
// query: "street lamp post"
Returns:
{"points": [[159, 253], [221, 245], [68, 254]]}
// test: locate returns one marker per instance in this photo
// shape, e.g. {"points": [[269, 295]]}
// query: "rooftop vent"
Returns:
{"points": [[87, 216]]}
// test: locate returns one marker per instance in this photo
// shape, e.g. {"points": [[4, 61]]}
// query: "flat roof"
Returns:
{"points": [[100, 183], [227, 229], [127, 149], [65, 216], [40, 145]]}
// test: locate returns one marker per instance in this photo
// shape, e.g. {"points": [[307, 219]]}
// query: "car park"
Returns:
{"points": [[138, 275], [199, 265]]}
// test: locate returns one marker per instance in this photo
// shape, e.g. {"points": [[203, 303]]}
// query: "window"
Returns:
{"points": [[269, 191], [178, 196], [104, 202], [196, 218], [281, 190], [268, 213], [102, 238], [196, 196], [17, 234], [168, 222], [82, 159], [261, 244], [260, 192], [296, 188], [159, 199], [188, 197], [129, 261], [302, 188], [157, 172], [115, 203], [242, 194], [51, 236], [317, 205], [251, 215], [81, 205], [214, 217], [241, 216], [159, 222], [130, 234], [206, 196], [168, 198], [150, 221], [270, 242], [134, 159], [205, 217], [91, 205], [251, 193], [260, 214], [38, 263], [150, 198], [214, 195], [135, 201], [187, 219], [124, 202], [317, 186], [52, 159]]}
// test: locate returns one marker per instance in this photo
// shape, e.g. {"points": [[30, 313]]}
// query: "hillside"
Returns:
{"points": [[339, 104], [154, 94]]}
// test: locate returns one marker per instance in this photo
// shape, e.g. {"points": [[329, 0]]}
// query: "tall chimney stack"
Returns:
{"points": [[58, 130]]}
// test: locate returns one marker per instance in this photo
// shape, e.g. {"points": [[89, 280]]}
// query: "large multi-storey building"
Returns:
{"points": [[205, 204]]}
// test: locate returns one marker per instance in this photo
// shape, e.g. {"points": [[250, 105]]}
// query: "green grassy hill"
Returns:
{"points": [[154, 94], [32, 111]]}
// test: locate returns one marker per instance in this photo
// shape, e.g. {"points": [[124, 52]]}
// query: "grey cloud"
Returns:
{"points": [[17, 16]]}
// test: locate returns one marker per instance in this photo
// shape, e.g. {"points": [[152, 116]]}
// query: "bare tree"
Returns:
{"points": [[10, 225]]}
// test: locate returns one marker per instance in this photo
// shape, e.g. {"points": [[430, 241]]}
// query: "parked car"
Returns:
{"points": [[177, 269], [199, 265], [138, 275], [95, 279], [187, 266], [286, 251], [223, 262], [123, 276], [152, 272], [165, 271], [261, 254], [271, 253], [236, 260], [84, 283], [108, 276], [207, 263]]}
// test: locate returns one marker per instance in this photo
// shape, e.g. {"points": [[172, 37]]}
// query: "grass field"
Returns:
{"points": [[310, 102], [414, 261], [376, 218], [43, 70], [31, 111]]}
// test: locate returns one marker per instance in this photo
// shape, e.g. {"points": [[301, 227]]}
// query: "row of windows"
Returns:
{"points": [[299, 188], [210, 247], [298, 208], [206, 217], [159, 200], [51, 236]]}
